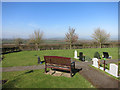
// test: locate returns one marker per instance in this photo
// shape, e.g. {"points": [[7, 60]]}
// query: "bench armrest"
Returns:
{"points": [[73, 62], [73, 65]]}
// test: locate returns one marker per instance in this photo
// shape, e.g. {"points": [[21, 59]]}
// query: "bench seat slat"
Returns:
{"points": [[68, 69], [58, 66]]}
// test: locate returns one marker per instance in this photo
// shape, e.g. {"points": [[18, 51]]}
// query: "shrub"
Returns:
{"points": [[97, 55]]}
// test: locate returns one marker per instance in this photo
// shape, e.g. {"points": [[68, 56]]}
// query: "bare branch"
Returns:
{"points": [[100, 36], [36, 38], [71, 37]]}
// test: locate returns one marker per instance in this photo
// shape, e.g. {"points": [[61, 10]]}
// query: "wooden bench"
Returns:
{"points": [[57, 62]]}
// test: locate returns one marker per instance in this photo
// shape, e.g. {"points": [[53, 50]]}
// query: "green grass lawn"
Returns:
{"points": [[26, 58], [37, 79], [106, 66]]}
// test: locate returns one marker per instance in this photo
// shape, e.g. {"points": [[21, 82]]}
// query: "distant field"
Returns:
{"points": [[7, 41], [26, 58], [54, 42]]}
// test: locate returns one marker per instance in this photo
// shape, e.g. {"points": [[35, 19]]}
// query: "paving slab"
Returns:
{"points": [[66, 74], [57, 74], [51, 72]]}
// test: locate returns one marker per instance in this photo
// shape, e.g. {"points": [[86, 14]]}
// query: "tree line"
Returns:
{"points": [[99, 36]]}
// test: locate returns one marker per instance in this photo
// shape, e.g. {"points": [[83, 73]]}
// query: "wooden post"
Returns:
{"points": [[45, 65], [70, 71], [74, 65], [98, 63], [104, 65]]}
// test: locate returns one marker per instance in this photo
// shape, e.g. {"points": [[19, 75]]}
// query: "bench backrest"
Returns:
{"points": [[57, 60]]}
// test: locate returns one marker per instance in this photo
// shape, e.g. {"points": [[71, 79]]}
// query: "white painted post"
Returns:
{"points": [[75, 55], [95, 62]]}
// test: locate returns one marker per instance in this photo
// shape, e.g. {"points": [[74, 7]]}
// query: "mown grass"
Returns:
{"points": [[106, 66], [28, 58], [37, 79]]}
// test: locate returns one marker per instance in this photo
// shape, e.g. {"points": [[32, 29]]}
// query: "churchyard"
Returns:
{"points": [[59, 44], [38, 79], [110, 68]]}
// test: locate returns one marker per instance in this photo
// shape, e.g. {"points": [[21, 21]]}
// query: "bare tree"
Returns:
{"points": [[18, 42], [71, 37], [36, 38], [100, 36]]}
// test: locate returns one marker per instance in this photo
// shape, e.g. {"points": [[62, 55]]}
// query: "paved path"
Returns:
{"points": [[21, 68], [109, 61], [96, 77]]}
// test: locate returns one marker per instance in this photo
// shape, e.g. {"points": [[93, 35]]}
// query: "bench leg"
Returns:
{"points": [[71, 73], [74, 65]]}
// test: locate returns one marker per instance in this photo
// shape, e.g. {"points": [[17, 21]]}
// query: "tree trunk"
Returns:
{"points": [[37, 47], [20, 47], [70, 46], [100, 45]]}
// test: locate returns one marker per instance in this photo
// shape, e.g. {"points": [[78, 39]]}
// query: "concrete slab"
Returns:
{"points": [[50, 72], [66, 74], [57, 73]]}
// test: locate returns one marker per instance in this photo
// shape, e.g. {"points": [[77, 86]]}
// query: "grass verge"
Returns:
{"points": [[37, 79]]}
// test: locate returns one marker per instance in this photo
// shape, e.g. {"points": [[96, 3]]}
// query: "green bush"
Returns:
{"points": [[97, 55]]}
